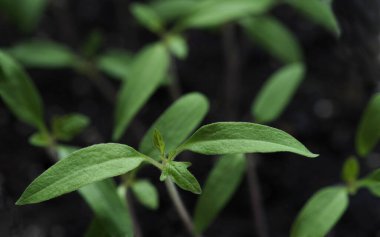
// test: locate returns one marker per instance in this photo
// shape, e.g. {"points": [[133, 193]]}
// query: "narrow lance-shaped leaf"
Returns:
{"points": [[220, 185], [43, 54], [176, 123], [170, 10], [68, 126], [80, 168], [180, 175], [274, 37], [115, 63], [146, 193], [318, 11], [368, 132], [277, 92], [240, 137], [147, 17], [147, 72], [321, 213], [19, 93]]}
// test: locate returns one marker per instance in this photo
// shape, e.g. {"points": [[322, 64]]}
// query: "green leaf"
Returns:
{"points": [[40, 139], [158, 141], [96, 229], [170, 10], [68, 126], [43, 54], [350, 171], [19, 93], [321, 213], [176, 123], [180, 175], [317, 11], [177, 46], [115, 63], [147, 17], [277, 92], [92, 43], [240, 137], [220, 185], [372, 182], [146, 193], [147, 72], [274, 37], [80, 168], [211, 13], [368, 132]]}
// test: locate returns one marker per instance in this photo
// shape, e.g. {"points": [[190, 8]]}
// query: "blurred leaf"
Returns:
{"points": [[176, 123], [180, 175], [39, 139], [372, 182], [96, 229], [147, 72], [277, 92], [68, 126], [220, 186], [158, 141], [115, 63], [319, 12], [170, 10], [368, 132], [147, 17], [211, 13], [350, 171], [19, 93], [92, 43], [43, 54], [240, 137], [146, 193], [274, 37], [321, 213], [25, 13], [81, 168], [178, 46]]}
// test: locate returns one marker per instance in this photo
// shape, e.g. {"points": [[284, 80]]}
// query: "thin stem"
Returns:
{"points": [[136, 226], [180, 207]]}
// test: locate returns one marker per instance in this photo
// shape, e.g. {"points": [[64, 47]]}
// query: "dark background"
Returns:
{"points": [[342, 75]]}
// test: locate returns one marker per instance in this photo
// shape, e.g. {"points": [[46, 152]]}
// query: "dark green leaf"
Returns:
{"points": [[176, 123], [319, 12], [147, 17], [277, 92], [368, 132], [274, 37], [115, 63], [19, 93], [92, 43], [147, 72], [145, 193], [80, 168], [180, 175], [43, 54], [68, 126], [240, 137], [350, 171], [221, 184], [321, 213], [40, 139]]}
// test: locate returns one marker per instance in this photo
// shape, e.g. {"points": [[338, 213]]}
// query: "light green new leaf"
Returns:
{"points": [[211, 13], [368, 132], [180, 175], [240, 137], [147, 72], [68, 126], [19, 93], [221, 184], [176, 123], [350, 171], [178, 46], [115, 63], [372, 182], [170, 10], [43, 54], [146, 193], [80, 168], [321, 213], [147, 17], [274, 37], [277, 92], [318, 11]]}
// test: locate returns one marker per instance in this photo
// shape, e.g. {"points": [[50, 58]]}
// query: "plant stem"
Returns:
{"points": [[179, 205], [174, 87], [136, 226], [256, 199]]}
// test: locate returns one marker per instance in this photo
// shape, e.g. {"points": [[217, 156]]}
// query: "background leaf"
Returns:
{"points": [[350, 171], [274, 37], [277, 92], [170, 10], [177, 46], [234, 137], [19, 93], [147, 72], [368, 132], [115, 63], [372, 182], [66, 127], [146, 193], [43, 54], [220, 185], [321, 213], [176, 123], [80, 168], [147, 17]]}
